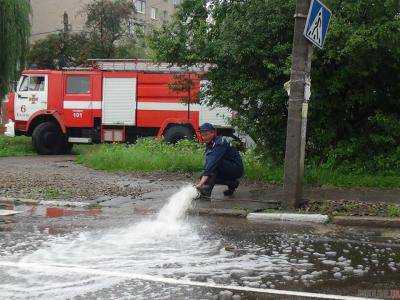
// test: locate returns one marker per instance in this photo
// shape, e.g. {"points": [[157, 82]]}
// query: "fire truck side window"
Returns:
{"points": [[78, 85], [36, 83], [24, 84]]}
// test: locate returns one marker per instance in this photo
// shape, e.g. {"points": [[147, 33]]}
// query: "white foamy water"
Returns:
{"points": [[143, 247], [167, 245], [177, 205]]}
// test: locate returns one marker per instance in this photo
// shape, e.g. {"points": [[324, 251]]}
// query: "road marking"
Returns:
{"points": [[89, 271]]}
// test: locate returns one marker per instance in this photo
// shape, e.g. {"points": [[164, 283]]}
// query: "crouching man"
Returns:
{"points": [[223, 164]]}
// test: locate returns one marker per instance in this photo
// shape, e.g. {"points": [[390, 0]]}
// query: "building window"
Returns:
{"points": [[176, 2], [165, 15], [78, 85], [153, 13], [140, 6]]}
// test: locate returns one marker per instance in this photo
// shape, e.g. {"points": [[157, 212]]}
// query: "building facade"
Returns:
{"points": [[47, 15]]}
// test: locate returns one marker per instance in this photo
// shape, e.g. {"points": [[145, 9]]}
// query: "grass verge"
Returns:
{"points": [[146, 155], [155, 155], [322, 175], [345, 207], [16, 146], [353, 208]]}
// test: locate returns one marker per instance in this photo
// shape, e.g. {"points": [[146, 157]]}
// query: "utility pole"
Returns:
{"points": [[297, 109], [65, 22], [62, 62]]}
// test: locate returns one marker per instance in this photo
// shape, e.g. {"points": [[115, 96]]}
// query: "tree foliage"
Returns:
{"points": [[14, 34], [356, 86], [106, 35], [354, 107], [59, 50], [107, 22]]}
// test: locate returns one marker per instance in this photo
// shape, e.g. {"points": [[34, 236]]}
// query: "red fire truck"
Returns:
{"points": [[113, 101]]}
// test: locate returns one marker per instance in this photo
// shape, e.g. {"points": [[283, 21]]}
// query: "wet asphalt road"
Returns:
{"points": [[37, 244]]}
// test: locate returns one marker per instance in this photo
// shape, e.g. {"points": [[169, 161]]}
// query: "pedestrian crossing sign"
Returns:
{"points": [[317, 23]]}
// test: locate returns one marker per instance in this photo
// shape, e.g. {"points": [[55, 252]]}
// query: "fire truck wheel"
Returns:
{"points": [[68, 148], [48, 139], [178, 132]]}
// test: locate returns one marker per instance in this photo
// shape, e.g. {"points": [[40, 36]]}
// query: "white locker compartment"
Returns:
{"points": [[119, 101]]}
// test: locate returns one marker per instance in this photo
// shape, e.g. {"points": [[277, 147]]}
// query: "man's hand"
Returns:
{"points": [[202, 181]]}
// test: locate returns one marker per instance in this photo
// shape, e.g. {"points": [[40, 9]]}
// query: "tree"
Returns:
{"points": [[106, 35], [355, 110], [354, 107], [46, 53], [106, 23], [249, 42], [14, 34]]}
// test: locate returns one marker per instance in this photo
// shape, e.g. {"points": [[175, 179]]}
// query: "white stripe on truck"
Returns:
{"points": [[82, 104], [141, 105], [166, 106]]}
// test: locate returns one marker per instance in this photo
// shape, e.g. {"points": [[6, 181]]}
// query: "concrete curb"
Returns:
{"points": [[291, 217], [7, 212], [59, 203], [28, 201], [218, 212], [19, 200], [367, 221], [62, 203]]}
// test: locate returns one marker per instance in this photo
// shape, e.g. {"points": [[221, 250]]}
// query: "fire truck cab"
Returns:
{"points": [[114, 101]]}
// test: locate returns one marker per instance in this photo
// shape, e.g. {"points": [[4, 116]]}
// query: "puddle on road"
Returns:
{"points": [[217, 250], [56, 212], [52, 212]]}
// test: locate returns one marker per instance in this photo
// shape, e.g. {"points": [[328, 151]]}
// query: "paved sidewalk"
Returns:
{"points": [[253, 197], [39, 177], [256, 198]]}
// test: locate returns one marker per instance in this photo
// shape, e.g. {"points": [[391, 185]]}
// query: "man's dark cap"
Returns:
{"points": [[206, 127]]}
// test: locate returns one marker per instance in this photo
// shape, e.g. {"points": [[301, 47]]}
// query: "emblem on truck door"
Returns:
{"points": [[33, 99]]}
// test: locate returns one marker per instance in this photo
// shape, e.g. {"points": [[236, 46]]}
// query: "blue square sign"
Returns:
{"points": [[317, 23]]}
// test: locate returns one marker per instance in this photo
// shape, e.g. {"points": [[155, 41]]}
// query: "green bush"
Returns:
{"points": [[261, 169]]}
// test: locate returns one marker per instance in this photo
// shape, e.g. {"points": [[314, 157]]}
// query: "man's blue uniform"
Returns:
{"points": [[223, 163], [222, 159]]}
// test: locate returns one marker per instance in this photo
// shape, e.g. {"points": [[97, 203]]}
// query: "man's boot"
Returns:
{"points": [[206, 190], [232, 186], [204, 193]]}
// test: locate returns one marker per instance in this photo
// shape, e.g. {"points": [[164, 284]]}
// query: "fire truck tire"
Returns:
{"points": [[68, 148], [178, 132], [47, 139]]}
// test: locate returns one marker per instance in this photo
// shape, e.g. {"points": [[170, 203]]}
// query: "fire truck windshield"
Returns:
{"points": [[32, 83], [24, 84]]}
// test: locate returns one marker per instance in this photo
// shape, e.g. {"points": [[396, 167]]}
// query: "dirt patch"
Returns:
{"points": [[59, 177]]}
